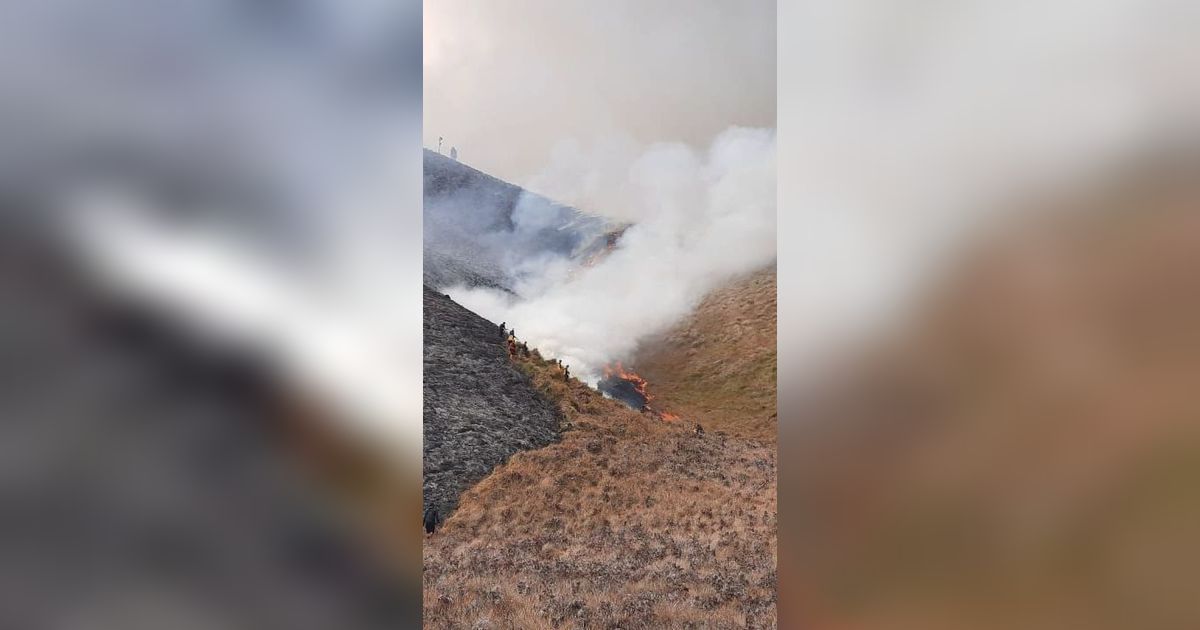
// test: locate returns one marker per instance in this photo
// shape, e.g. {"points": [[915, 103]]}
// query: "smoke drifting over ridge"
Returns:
{"points": [[659, 115], [700, 219], [506, 82], [482, 231]]}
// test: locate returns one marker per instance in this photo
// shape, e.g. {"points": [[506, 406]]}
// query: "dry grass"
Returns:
{"points": [[1026, 453], [717, 367], [627, 522]]}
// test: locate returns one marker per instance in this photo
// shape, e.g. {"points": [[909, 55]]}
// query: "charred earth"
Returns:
{"points": [[479, 408]]}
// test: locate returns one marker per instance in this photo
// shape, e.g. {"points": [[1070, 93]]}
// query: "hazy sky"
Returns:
{"points": [[506, 82]]}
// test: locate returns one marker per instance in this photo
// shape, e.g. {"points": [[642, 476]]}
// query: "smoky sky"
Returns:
{"points": [[237, 103], [250, 167], [507, 82]]}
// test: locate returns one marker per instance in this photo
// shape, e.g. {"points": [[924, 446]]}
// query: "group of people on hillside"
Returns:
{"points": [[431, 519], [522, 348]]}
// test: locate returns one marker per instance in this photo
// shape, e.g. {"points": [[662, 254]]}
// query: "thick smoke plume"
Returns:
{"points": [[698, 219]]}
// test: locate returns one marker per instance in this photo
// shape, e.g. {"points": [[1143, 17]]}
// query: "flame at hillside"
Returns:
{"points": [[625, 386], [631, 389]]}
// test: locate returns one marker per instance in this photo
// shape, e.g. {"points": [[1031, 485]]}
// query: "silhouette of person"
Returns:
{"points": [[431, 519]]}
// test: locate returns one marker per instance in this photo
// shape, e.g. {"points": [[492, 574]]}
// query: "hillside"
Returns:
{"points": [[717, 367], [149, 480], [1025, 452], [627, 522], [617, 517], [478, 408], [478, 230]]}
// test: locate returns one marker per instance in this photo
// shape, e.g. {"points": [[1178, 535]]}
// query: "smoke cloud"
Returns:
{"points": [[700, 218], [913, 132], [657, 115], [505, 82], [250, 165]]}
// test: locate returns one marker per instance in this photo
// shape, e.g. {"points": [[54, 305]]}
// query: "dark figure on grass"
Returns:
{"points": [[431, 519], [567, 373]]}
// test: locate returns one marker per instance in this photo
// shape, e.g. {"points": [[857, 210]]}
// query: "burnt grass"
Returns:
{"points": [[622, 390], [479, 408]]}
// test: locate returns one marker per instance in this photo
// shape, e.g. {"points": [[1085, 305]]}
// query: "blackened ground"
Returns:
{"points": [[144, 483], [622, 390], [479, 408]]}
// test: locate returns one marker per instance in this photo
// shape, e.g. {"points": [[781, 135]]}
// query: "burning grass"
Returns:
{"points": [[632, 389], [627, 522]]}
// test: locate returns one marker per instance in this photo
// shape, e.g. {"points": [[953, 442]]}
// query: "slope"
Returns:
{"points": [[627, 522], [479, 230], [148, 480], [717, 367], [478, 408], [1025, 453]]}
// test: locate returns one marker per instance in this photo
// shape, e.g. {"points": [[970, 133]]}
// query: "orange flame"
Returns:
{"points": [[640, 386], [620, 372]]}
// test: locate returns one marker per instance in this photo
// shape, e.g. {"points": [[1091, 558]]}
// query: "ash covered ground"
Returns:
{"points": [[479, 408]]}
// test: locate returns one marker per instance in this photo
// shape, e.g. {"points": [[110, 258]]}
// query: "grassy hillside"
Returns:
{"points": [[1027, 453], [717, 367], [627, 522]]}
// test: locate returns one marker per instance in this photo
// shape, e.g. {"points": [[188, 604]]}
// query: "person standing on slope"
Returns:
{"points": [[430, 519]]}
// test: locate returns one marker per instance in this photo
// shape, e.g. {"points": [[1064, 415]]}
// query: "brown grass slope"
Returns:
{"points": [[628, 522], [1027, 453], [717, 367]]}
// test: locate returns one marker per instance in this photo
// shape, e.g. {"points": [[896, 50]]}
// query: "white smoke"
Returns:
{"points": [[698, 220], [248, 167], [913, 130], [506, 82]]}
